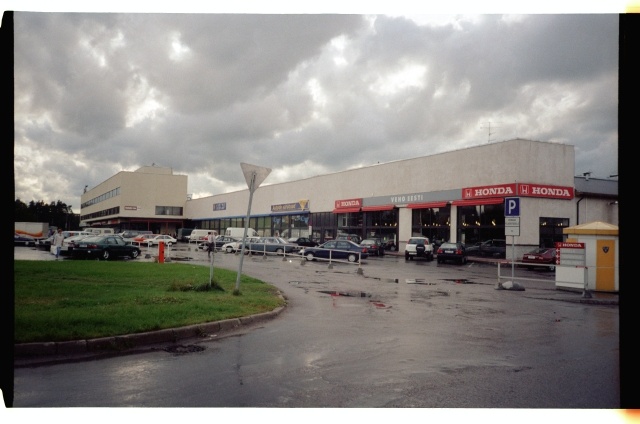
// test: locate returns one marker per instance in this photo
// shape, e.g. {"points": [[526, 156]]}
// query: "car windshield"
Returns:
{"points": [[448, 246]]}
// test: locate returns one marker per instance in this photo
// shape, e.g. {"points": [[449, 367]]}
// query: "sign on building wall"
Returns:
{"points": [[348, 203], [299, 206], [220, 206], [548, 191], [518, 189]]}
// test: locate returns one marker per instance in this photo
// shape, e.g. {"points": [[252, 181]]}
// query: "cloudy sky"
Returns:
{"points": [[303, 94]]}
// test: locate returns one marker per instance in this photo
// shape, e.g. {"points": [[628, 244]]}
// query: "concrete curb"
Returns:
{"points": [[130, 342]]}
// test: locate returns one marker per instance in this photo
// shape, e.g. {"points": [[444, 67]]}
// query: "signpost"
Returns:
{"points": [[512, 226], [254, 176]]}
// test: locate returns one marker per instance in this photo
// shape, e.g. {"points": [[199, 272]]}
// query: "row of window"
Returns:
{"points": [[108, 195]]}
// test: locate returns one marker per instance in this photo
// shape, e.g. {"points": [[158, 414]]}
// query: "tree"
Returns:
{"points": [[57, 214]]}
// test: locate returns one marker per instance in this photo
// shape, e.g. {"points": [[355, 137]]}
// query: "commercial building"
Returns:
{"points": [[457, 195], [150, 198]]}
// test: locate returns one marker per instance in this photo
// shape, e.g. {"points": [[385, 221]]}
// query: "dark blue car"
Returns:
{"points": [[336, 249]]}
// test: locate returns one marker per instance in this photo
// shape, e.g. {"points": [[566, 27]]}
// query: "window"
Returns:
{"points": [[551, 230], [168, 210]]}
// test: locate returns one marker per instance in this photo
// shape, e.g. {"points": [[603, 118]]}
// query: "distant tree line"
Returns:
{"points": [[57, 214]]}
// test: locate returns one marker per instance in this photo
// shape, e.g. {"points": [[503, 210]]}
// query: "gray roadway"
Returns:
{"points": [[395, 334]]}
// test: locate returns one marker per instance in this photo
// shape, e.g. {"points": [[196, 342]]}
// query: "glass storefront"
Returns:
{"points": [[434, 223], [382, 225], [480, 222]]}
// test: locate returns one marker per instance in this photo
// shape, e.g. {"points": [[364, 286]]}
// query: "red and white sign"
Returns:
{"points": [[567, 245], [348, 203], [502, 190], [548, 191], [518, 189]]}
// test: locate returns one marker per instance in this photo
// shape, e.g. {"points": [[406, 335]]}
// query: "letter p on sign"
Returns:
{"points": [[512, 206]]}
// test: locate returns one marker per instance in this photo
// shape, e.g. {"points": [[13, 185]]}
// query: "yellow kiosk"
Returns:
{"points": [[601, 244]]}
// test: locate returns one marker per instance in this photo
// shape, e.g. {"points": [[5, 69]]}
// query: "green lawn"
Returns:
{"points": [[74, 300]]}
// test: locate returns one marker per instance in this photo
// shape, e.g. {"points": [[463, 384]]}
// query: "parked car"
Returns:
{"points": [[337, 249], [541, 257], [69, 244], [130, 235], [491, 248], [303, 242], [44, 243], [143, 239], [390, 245], [374, 246], [418, 247], [23, 240], [452, 251], [156, 239], [104, 247], [265, 245], [219, 241], [351, 237], [233, 246]]}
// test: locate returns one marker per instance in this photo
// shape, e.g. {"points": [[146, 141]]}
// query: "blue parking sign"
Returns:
{"points": [[511, 206]]}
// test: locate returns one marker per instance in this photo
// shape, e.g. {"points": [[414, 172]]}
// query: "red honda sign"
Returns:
{"points": [[518, 189], [543, 190], [348, 203]]}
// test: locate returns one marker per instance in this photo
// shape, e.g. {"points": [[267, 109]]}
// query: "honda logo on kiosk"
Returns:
{"points": [[512, 206]]}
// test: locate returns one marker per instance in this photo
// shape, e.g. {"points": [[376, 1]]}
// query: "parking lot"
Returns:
{"points": [[386, 333]]}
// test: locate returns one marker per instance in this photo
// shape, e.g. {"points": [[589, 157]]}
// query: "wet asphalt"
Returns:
{"points": [[386, 333], [50, 352]]}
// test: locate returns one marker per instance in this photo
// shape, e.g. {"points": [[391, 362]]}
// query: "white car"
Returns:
{"points": [[235, 245], [418, 247], [168, 240]]}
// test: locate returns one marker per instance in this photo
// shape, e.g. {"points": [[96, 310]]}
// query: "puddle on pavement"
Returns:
{"points": [[182, 349], [460, 281], [346, 294], [418, 281]]}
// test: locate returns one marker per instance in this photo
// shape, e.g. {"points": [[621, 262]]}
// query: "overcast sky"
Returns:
{"points": [[302, 94]]}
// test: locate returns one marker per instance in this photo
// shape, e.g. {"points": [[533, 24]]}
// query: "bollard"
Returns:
{"points": [[161, 252]]}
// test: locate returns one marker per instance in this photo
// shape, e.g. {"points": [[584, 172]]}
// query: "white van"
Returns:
{"points": [[100, 231], [199, 235], [238, 232]]}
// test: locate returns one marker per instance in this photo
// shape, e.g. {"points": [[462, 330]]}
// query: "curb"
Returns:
{"points": [[132, 342]]}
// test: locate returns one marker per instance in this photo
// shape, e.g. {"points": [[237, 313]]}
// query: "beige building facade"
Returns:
{"points": [[457, 195]]}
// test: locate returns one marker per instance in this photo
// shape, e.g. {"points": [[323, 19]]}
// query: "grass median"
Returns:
{"points": [[75, 300]]}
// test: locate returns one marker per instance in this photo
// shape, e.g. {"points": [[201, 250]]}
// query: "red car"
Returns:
{"points": [[541, 257]]}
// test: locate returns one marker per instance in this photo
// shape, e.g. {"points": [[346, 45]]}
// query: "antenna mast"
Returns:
{"points": [[489, 133]]}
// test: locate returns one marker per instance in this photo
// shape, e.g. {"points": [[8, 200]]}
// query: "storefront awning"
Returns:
{"points": [[346, 210], [475, 202], [427, 205], [377, 208]]}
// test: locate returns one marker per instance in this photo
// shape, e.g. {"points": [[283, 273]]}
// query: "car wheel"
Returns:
{"points": [[392, 248], [229, 249], [134, 254], [439, 261], [105, 255], [352, 257], [279, 251], [463, 260], [309, 256], [406, 257]]}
